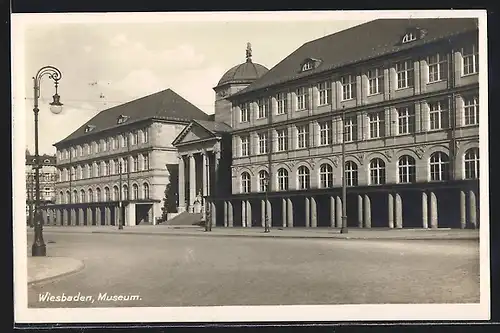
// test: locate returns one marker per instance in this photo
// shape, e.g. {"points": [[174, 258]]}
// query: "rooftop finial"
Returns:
{"points": [[249, 52]]}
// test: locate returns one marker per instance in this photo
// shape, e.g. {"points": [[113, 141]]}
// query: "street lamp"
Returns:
{"points": [[267, 228], [120, 209], [38, 248], [344, 185], [208, 213]]}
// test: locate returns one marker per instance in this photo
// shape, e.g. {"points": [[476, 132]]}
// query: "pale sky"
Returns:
{"points": [[126, 61]]}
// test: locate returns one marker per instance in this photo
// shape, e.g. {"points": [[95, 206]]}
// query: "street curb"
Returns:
{"points": [[287, 237], [54, 277]]}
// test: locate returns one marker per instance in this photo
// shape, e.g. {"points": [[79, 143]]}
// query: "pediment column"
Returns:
{"points": [[181, 205]]}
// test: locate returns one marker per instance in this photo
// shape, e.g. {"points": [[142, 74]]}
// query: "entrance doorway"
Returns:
{"points": [[143, 214]]}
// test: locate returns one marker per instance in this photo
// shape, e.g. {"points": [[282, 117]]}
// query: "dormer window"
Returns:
{"points": [[89, 128], [412, 35], [122, 119], [309, 63], [409, 37], [307, 66]]}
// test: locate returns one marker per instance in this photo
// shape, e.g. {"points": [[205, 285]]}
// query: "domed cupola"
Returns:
{"points": [[244, 73]]}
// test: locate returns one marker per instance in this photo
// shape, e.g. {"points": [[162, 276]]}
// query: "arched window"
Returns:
{"points": [[145, 137], [106, 194], [440, 166], [90, 195], [125, 192], [304, 177], [116, 194], [107, 171], [82, 196], [75, 196], [68, 197], [61, 197], [351, 173], [135, 192], [245, 182], [471, 163], [377, 172], [263, 180], [98, 194], [145, 190], [283, 179], [326, 175], [406, 169]]}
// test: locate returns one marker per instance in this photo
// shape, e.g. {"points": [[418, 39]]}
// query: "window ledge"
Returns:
{"points": [[437, 81], [403, 88], [374, 94], [470, 74]]}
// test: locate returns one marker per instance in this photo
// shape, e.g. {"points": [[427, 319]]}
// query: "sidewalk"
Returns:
{"points": [[322, 232], [47, 268]]}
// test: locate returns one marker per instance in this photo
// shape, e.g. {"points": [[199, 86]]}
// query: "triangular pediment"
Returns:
{"points": [[192, 133]]}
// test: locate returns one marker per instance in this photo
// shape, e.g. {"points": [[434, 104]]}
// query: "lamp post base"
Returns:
{"points": [[38, 250], [344, 225]]}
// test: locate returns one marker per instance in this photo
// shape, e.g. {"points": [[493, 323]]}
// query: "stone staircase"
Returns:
{"points": [[185, 219]]}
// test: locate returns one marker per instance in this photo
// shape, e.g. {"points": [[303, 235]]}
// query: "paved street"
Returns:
{"points": [[187, 271]]}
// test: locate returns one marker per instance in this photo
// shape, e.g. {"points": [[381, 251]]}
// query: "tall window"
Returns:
{"points": [[351, 173], [263, 105], [68, 197], [87, 149], [281, 99], [377, 124], [350, 129], [145, 165], [135, 160], [471, 110], [135, 192], [104, 145], [97, 147], [405, 74], [145, 135], [471, 163], [348, 87], [263, 142], [245, 182], [106, 168], [125, 165], [90, 171], [116, 194], [438, 112], [326, 175], [470, 57], [302, 97], [135, 137], [75, 196], [82, 196], [106, 194], [98, 194], [324, 92], [116, 142], [283, 179], [406, 169], [145, 190], [438, 67], [304, 177], [439, 164], [263, 180], [90, 195], [375, 81], [125, 192], [406, 120], [97, 170], [244, 145], [325, 133], [377, 172], [282, 137], [80, 151], [244, 113], [303, 136]]}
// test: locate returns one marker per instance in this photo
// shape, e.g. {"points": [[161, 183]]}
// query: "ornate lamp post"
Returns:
{"points": [[38, 248], [344, 185], [267, 227]]}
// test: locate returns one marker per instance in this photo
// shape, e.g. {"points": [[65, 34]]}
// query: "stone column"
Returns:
{"points": [[360, 211], [472, 209], [269, 213], [399, 211], [307, 213], [434, 210], [368, 212], [213, 216], [230, 214], [225, 210], [58, 217], [289, 213], [249, 214], [425, 213], [332, 212], [81, 218], [182, 186], [243, 214], [89, 216], [262, 213], [107, 216], [204, 162], [338, 212], [117, 215], [283, 212], [314, 213], [192, 182], [73, 216], [64, 216], [390, 209], [463, 218]]}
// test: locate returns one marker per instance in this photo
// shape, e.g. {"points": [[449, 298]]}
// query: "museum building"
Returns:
{"points": [[400, 95]]}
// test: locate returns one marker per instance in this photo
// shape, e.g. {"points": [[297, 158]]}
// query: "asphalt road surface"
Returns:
{"points": [[154, 270]]}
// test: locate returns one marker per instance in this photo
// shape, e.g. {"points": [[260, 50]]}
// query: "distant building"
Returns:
{"points": [[123, 155], [409, 91], [48, 178]]}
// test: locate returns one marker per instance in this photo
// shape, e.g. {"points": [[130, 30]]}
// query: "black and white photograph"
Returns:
{"points": [[250, 166]]}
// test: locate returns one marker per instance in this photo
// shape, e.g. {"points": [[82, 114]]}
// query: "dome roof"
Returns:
{"points": [[242, 73]]}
